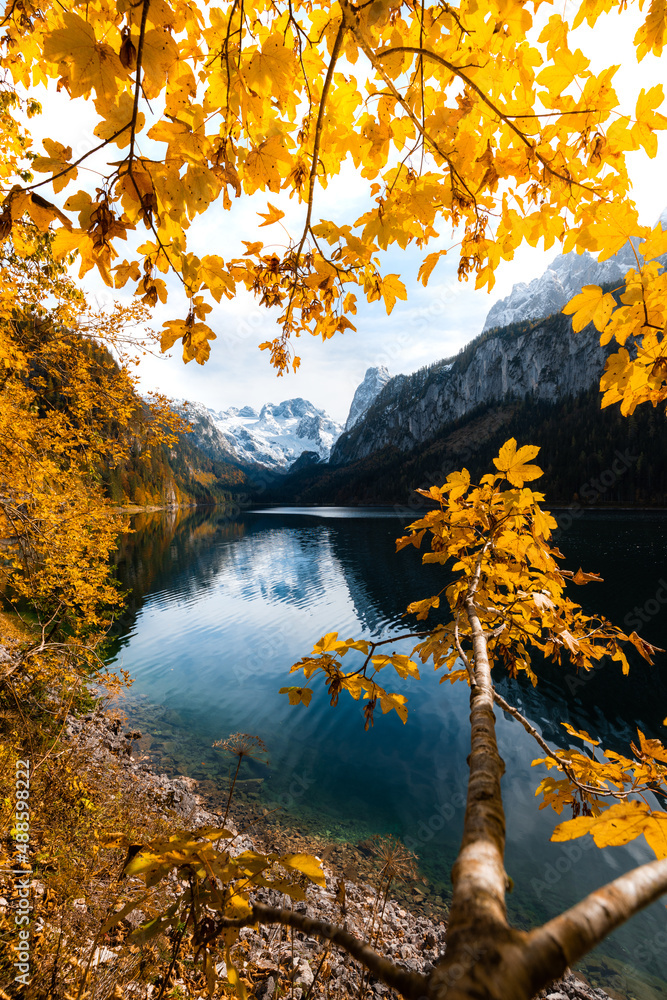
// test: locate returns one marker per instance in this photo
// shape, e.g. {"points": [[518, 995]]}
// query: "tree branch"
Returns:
{"points": [[72, 166], [137, 79], [413, 118], [316, 154], [412, 985], [588, 789], [478, 875], [572, 934], [457, 71]]}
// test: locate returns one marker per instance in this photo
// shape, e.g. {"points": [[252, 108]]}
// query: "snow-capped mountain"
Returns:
{"points": [[564, 277], [273, 438], [374, 381], [545, 363]]}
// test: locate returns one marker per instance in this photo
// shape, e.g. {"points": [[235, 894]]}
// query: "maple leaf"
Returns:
{"points": [[590, 305], [273, 215], [655, 832], [117, 119], [392, 288], [614, 225], [513, 463], [617, 825], [56, 162], [89, 64], [261, 168]]}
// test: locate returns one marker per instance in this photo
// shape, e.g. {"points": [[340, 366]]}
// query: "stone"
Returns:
{"points": [[266, 990], [303, 973]]}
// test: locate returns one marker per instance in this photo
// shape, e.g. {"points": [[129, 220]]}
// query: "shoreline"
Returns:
{"points": [[415, 941]]}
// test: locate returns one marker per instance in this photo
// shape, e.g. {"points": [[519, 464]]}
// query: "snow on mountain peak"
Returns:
{"points": [[374, 381], [564, 277], [278, 434]]}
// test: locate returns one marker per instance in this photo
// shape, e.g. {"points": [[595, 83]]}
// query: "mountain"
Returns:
{"points": [[517, 354], [541, 359], [273, 438], [374, 381], [590, 457], [563, 279]]}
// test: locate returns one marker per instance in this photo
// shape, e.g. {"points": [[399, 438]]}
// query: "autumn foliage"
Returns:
{"points": [[68, 411], [471, 129]]}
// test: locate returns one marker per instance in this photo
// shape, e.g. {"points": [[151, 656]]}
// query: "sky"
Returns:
{"points": [[434, 322]]}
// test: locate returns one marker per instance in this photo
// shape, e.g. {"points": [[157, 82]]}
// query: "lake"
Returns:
{"points": [[221, 606]]}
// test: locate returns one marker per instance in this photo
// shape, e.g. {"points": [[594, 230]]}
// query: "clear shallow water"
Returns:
{"points": [[221, 609]]}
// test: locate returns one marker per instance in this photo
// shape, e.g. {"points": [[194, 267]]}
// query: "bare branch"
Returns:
{"points": [[410, 984], [572, 934]]}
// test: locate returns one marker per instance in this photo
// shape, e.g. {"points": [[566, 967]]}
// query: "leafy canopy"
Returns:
{"points": [[471, 129]]}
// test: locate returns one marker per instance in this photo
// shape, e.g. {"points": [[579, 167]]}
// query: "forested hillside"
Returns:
{"points": [[580, 455], [180, 473]]}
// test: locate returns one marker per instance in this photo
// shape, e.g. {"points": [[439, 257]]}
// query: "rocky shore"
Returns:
{"points": [[312, 970]]}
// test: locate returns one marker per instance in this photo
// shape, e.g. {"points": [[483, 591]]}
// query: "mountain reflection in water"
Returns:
{"points": [[220, 608]]}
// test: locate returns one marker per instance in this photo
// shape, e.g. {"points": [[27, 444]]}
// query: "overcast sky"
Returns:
{"points": [[435, 322]]}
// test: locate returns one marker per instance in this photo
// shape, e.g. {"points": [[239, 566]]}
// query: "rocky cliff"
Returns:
{"points": [[542, 360], [374, 381], [563, 279]]}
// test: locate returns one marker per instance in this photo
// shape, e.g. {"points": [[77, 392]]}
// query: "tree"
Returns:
{"points": [[458, 116], [509, 600], [68, 410], [508, 604]]}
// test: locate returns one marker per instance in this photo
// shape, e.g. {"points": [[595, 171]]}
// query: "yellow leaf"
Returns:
{"points": [[422, 608], [397, 702], [68, 241], [297, 695], [261, 166], [307, 864], [237, 906], [392, 289], [655, 832], [427, 265], [116, 119], [591, 305], [615, 224], [581, 734], [214, 276], [618, 825], [90, 65], [273, 215], [581, 578], [654, 245], [513, 463]]}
